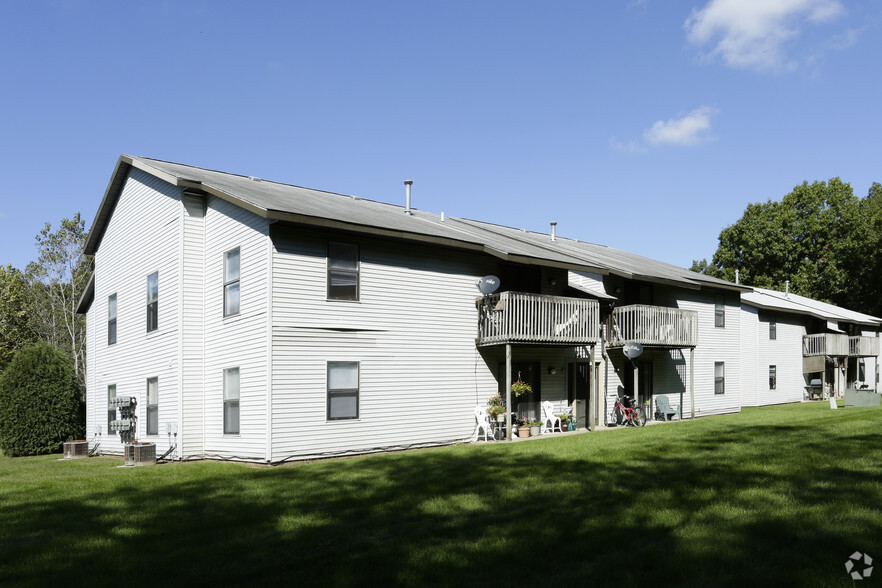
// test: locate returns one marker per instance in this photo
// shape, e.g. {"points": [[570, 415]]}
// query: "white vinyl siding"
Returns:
{"points": [[758, 352], [240, 340], [193, 309], [143, 236], [412, 334]]}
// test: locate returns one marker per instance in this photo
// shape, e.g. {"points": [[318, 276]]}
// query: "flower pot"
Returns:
{"points": [[500, 418], [523, 432], [534, 431]]}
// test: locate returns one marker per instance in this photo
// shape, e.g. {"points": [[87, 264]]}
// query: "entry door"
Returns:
{"points": [[526, 405], [579, 388]]}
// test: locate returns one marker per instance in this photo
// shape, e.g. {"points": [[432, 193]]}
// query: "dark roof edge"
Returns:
{"points": [[88, 296]]}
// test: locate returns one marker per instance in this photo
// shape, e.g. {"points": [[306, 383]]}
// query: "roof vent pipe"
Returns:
{"points": [[407, 185], [787, 288], [736, 278], [554, 230]]}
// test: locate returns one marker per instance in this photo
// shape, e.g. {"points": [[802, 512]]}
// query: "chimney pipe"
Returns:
{"points": [[736, 277], [407, 185], [554, 230], [787, 288]]}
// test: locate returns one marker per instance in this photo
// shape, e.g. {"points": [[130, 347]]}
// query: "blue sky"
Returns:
{"points": [[647, 126]]}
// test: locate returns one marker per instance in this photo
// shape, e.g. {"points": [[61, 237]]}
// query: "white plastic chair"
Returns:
{"points": [[548, 417], [483, 422]]}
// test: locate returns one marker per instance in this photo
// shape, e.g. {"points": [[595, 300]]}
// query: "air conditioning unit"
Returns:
{"points": [[76, 449], [139, 454]]}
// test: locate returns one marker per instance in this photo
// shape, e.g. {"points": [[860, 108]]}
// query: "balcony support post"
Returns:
{"points": [[508, 391], [592, 393], [691, 386]]}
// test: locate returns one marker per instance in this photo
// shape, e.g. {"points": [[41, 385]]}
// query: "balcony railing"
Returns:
{"points": [[863, 346], [517, 317], [658, 326], [825, 344]]}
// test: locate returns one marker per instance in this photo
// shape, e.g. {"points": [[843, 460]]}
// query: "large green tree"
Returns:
{"points": [[41, 405], [820, 237], [15, 325], [58, 279]]}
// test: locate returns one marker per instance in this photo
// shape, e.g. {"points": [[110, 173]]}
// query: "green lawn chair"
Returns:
{"points": [[664, 410]]}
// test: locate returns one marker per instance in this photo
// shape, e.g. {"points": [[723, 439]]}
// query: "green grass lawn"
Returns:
{"points": [[771, 496]]}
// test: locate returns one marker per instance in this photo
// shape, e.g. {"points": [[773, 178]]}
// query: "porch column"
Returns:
{"points": [[592, 394], [508, 391], [691, 384]]}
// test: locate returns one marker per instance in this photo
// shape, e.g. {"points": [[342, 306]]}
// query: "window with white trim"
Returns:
{"points": [[231, 282], [342, 390], [111, 412], [231, 401], [343, 268], [773, 377], [773, 327], [153, 406], [719, 377], [719, 310], [111, 319], [153, 302]]}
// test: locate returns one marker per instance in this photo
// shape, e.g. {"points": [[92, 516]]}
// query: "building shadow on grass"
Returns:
{"points": [[693, 511]]}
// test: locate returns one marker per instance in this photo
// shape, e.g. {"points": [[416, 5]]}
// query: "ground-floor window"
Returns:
{"points": [[342, 390], [773, 377], [153, 406], [719, 377], [111, 412], [231, 401]]}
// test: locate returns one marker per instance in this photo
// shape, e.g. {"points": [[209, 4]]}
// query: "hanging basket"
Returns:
{"points": [[520, 388]]}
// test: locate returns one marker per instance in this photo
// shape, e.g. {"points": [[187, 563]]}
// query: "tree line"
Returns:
{"points": [[820, 237], [38, 304]]}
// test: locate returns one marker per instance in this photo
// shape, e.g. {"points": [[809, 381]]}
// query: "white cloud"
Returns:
{"points": [[631, 146], [751, 34], [691, 129]]}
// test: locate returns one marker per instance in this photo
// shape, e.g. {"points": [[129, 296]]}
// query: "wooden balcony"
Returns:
{"points": [[863, 346], [831, 344], [517, 317], [654, 326]]}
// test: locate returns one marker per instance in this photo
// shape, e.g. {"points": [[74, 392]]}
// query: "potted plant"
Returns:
{"points": [[496, 408], [532, 425], [564, 421]]}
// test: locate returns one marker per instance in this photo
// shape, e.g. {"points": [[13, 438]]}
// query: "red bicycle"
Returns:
{"points": [[624, 412]]}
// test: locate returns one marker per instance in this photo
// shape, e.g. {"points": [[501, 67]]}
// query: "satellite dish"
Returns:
{"points": [[488, 284], [632, 349]]}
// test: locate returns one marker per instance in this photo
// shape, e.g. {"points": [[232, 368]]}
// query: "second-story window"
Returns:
{"points": [[153, 301], [342, 271], [719, 310], [231, 282], [111, 319], [773, 327]]}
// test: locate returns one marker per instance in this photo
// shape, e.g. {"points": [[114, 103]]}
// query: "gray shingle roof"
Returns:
{"points": [[774, 300], [306, 206]]}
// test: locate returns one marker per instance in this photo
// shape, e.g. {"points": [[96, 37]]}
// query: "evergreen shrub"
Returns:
{"points": [[41, 405]]}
